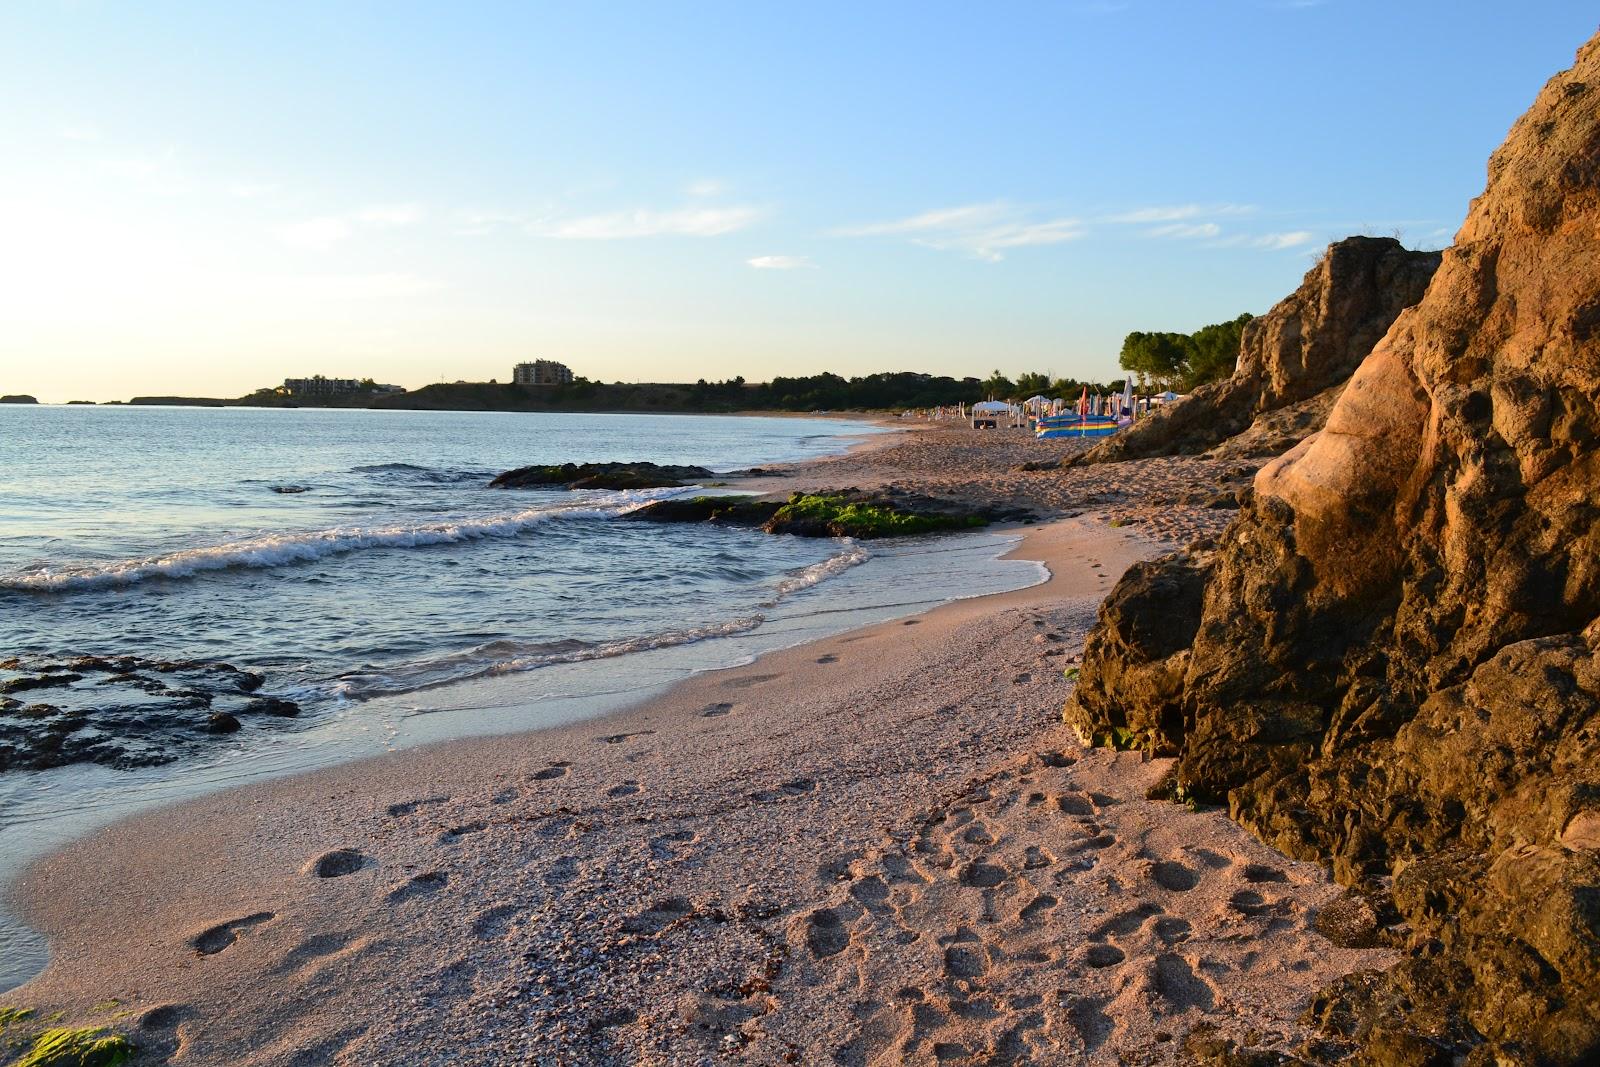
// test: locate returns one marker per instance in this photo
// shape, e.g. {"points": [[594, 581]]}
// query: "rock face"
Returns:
{"points": [[1396, 658], [1309, 343], [599, 476]]}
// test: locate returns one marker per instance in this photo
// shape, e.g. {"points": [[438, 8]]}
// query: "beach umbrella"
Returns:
{"points": [[1127, 397]]}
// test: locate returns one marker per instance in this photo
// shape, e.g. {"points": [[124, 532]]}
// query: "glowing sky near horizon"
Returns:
{"points": [[201, 199]]}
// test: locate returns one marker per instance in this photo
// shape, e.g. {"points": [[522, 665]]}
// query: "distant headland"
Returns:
{"points": [[545, 385]]}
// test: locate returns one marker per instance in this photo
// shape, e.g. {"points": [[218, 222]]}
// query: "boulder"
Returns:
{"points": [[599, 476], [887, 512], [1307, 345], [1395, 667]]}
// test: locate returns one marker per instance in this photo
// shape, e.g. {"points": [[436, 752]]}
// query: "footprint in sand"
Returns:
{"points": [[666, 845], [214, 939], [1124, 923], [1103, 956], [315, 947], [1170, 874], [658, 916], [164, 1016], [1260, 872], [617, 739], [793, 788], [825, 933], [748, 680], [410, 806], [981, 875], [626, 789], [491, 925], [1037, 908], [828, 658], [712, 711], [456, 833], [912, 622], [562, 871], [336, 864], [418, 885], [552, 772]]}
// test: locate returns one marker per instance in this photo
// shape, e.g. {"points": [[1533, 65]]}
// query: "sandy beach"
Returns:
{"points": [[878, 848]]}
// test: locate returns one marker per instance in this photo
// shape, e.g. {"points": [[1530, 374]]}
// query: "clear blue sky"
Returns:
{"points": [[202, 198]]}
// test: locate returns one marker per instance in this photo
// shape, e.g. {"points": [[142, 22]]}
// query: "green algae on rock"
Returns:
{"points": [[853, 513], [88, 1047]]}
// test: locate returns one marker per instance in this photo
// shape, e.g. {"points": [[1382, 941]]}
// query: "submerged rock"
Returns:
{"points": [[600, 476], [122, 711], [1308, 344], [1395, 666]]}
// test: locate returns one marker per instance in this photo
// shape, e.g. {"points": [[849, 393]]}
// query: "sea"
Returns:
{"points": [[359, 563]]}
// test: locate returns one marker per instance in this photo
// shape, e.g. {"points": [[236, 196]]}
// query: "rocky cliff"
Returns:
{"points": [[1391, 660], [1308, 344]]}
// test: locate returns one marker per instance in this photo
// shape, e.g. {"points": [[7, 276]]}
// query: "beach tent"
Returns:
{"points": [[1036, 403]]}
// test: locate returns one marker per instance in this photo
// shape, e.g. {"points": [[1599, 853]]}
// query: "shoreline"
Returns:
{"points": [[712, 872]]}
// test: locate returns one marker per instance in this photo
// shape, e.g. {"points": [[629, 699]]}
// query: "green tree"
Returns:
{"points": [[1161, 357], [1216, 351], [1032, 384], [999, 387]]}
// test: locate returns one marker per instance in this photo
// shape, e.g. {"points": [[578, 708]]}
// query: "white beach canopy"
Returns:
{"points": [[991, 407]]}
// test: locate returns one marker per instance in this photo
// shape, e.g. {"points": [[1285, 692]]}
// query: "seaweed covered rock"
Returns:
{"points": [[599, 476], [1309, 343], [1396, 659], [867, 515], [835, 513]]}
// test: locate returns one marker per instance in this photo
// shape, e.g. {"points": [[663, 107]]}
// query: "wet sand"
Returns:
{"points": [[878, 848]]}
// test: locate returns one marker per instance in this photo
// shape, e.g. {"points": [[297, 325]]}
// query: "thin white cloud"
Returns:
{"points": [[318, 235], [1186, 231], [624, 225], [984, 231], [1277, 242], [389, 214], [324, 232], [478, 223], [706, 187], [780, 262], [1179, 212]]}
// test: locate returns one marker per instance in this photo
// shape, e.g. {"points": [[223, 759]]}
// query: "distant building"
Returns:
{"points": [[317, 385], [541, 372]]}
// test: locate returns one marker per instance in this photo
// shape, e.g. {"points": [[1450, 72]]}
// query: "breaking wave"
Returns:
{"points": [[281, 549], [853, 555]]}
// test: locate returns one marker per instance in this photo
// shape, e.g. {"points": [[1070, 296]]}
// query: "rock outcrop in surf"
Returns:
{"points": [[1293, 361], [1395, 655]]}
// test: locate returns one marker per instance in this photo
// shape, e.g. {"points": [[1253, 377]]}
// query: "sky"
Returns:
{"points": [[201, 198]]}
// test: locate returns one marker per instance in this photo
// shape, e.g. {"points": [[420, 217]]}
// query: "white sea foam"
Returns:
{"points": [[508, 657], [279, 549], [853, 555]]}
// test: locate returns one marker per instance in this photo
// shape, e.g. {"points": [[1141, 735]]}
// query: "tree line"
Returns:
{"points": [[1182, 361]]}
